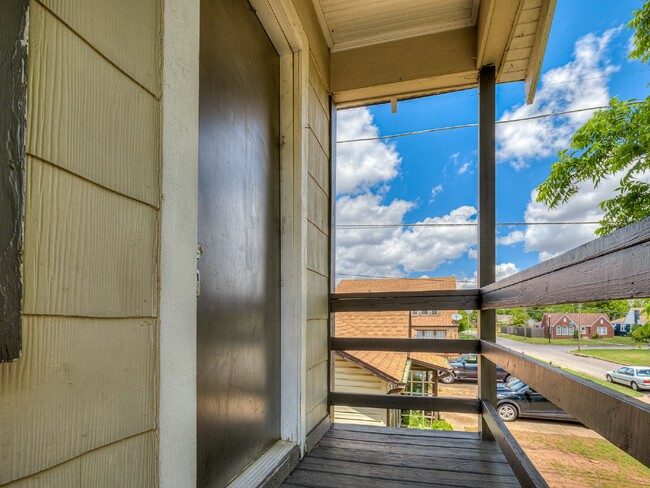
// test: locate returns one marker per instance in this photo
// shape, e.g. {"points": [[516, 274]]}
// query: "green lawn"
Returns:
{"points": [[612, 386], [625, 341], [582, 462], [633, 357], [602, 382]]}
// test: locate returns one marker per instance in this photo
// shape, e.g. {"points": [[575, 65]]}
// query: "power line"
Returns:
{"points": [[459, 224], [467, 126]]}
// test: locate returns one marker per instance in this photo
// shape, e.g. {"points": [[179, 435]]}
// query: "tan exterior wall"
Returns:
{"points": [[351, 378], [79, 407], [318, 242], [317, 138]]}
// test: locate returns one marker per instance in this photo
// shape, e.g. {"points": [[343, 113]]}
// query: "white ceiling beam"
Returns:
{"points": [[425, 64], [495, 27], [539, 48]]}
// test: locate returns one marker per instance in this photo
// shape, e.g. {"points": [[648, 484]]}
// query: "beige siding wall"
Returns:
{"points": [[318, 242], [79, 407], [351, 378]]}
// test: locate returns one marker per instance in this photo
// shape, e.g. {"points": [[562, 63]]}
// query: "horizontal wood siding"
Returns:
{"points": [[88, 251], [80, 384], [128, 463], [317, 139], [79, 407], [86, 116], [124, 31], [351, 378]]}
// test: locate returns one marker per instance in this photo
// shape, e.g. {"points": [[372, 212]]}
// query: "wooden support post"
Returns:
{"points": [[486, 231]]}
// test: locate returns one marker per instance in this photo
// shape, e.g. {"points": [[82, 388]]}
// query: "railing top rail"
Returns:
{"points": [[405, 300], [459, 346], [610, 267], [621, 419]]}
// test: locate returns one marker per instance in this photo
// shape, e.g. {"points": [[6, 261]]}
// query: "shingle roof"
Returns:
{"points": [[390, 365], [443, 318], [396, 284]]}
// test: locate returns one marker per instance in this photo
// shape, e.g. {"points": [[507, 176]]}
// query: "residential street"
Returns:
{"points": [[561, 356]]}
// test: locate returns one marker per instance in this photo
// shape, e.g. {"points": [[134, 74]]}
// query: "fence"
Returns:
{"points": [[522, 331]]}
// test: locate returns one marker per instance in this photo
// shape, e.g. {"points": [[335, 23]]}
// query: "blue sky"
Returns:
{"points": [[431, 178]]}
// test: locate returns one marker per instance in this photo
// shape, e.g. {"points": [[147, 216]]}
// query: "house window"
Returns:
{"points": [[565, 330], [425, 334], [425, 313], [420, 383], [601, 330], [571, 329], [441, 334], [558, 330]]}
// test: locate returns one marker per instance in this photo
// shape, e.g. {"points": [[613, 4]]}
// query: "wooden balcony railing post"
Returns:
{"points": [[487, 230]]}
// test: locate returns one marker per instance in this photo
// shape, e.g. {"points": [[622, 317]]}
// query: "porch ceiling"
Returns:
{"points": [[385, 49]]}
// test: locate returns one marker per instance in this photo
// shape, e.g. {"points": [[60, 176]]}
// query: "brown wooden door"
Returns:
{"points": [[238, 336]]}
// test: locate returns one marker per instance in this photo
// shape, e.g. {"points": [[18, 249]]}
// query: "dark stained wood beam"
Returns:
{"points": [[453, 346], [396, 301], [404, 402], [622, 420], [487, 374], [610, 268], [13, 124], [521, 465]]}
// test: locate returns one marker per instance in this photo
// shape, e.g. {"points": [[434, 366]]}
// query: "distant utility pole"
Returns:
{"points": [[579, 323]]}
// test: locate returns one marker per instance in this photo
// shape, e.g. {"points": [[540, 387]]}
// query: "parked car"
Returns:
{"points": [[636, 377], [520, 400], [466, 368]]}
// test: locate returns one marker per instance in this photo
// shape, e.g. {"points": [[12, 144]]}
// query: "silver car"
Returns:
{"points": [[637, 377]]}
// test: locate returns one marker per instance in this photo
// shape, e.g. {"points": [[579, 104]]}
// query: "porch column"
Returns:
{"points": [[486, 230]]}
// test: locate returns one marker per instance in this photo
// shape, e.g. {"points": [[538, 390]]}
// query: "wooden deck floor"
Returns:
{"points": [[376, 457]]}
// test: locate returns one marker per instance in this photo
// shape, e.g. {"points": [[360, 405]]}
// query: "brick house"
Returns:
{"points": [[562, 325]]}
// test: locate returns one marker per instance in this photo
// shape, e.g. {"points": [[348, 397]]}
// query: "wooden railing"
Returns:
{"points": [[616, 266]]}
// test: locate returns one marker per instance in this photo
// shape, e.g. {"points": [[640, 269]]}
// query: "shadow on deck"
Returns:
{"points": [[377, 457]]}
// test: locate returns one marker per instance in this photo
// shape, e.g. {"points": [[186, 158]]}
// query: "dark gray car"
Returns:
{"points": [[520, 400], [466, 368]]}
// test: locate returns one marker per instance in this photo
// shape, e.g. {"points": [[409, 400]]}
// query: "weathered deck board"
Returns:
{"points": [[385, 458]]}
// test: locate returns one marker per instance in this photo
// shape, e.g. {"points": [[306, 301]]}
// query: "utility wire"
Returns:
{"points": [[458, 224], [466, 126]]}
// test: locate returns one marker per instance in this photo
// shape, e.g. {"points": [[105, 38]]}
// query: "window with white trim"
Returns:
{"points": [[558, 330], [601, 330], [425, 313]]}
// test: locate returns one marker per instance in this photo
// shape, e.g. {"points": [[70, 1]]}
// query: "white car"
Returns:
{"points": [[636, 377]]}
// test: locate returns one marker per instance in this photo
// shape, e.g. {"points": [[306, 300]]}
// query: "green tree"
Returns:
{"points": [[614, 141]]}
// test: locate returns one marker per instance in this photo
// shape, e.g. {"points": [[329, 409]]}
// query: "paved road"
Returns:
{"points": [[561, 356]]}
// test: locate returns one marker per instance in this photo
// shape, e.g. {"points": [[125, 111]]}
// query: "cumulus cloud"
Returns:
{"points": [[396, 251], [363, 165], [503, 270], [551, 240], [514, 237], [521, 142]]}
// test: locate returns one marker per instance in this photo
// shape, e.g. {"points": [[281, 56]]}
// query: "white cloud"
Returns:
{"points": [[394, 251], [361, 166], [521, 142], [551, 240], [509, 239], [506, 269], [503, 270], [464, 168], [434, 192], [472, 253]]}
